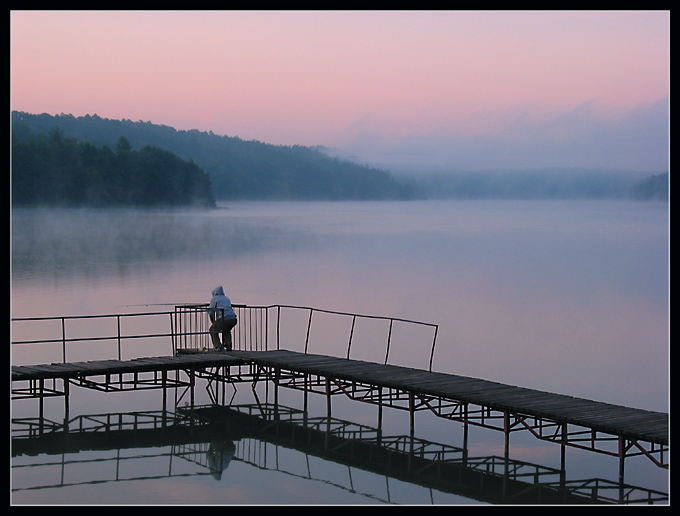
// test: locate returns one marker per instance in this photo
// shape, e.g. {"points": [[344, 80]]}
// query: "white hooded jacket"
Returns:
{"points": [[221, 302]]}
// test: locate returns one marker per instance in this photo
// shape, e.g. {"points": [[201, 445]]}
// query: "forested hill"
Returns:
{"points": [[60, 171], [238, 169]]}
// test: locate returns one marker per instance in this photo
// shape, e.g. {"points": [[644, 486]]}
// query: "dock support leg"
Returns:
{"points": [[328, 398], [563, 455], [412, 413], [328, 410], [221, 374], [466, 428], [412, 426], [277, 379], [164, 381], [66, 404], [380, 414], [622, 458], [41, 402], [305, 398], [506, 431], [192, 384]]}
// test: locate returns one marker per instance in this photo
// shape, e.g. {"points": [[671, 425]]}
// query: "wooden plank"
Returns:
{"points": [[297, 362], [30, 373]]}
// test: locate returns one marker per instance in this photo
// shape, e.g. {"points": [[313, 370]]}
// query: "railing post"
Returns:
{"points": [[172, 332], [118, 324], [266, 329], [309, 324], [63, 341], [389, 338], [278, 325], [434, 340], [351, 334]]}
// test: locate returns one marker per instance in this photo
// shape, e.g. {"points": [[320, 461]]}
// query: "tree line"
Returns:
{"points": [[55, 170], [238, 169], [655, 187]]}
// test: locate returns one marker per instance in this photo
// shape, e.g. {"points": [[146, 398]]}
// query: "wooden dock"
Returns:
{"points": [[469, 400], [73, 370], [617, 420]]}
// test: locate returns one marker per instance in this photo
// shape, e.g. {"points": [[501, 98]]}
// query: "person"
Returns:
{"points": [[223, 319]]}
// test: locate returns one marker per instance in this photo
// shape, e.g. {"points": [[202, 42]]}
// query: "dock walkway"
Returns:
{"points": [[624, 422]]}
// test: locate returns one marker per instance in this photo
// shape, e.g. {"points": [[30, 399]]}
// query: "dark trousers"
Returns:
{"points": [[224, 326]]}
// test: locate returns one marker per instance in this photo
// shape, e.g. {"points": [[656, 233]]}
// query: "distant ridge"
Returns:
{"points": [[238, 169], [653, 188], [253, 170]]}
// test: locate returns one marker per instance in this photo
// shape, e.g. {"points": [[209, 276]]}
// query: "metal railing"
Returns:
{"points": [[354, 317], [192, 327], [119, 337], [258, 328]]}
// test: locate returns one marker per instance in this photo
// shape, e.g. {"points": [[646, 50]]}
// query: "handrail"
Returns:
{"points": [[118, 337], [190, 327], [248, 309], [365, 316]]}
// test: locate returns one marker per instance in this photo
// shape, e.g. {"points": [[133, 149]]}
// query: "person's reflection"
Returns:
{"points": [[219, 457]]}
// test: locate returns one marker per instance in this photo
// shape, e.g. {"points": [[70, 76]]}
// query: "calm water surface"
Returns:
{"points": [[563, 296]]}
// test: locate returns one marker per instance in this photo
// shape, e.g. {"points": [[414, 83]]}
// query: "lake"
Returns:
{"points": [[569, 297]]}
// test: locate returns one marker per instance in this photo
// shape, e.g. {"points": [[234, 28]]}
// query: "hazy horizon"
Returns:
{"points": [[469, 90]]}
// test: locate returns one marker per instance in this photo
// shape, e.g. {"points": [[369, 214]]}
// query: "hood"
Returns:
{"points": [[218, 291]]}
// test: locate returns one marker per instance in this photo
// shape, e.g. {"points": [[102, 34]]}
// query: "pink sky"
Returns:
{"points": [[368, 82]]}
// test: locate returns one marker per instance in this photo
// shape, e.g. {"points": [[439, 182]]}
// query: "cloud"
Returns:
{"points": [[589, 136]]}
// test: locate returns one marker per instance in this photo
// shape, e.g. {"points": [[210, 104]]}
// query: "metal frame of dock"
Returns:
{"points": [[567, 421]]}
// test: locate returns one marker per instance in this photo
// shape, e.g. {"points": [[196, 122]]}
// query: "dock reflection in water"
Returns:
{"points": [[206, 440]]}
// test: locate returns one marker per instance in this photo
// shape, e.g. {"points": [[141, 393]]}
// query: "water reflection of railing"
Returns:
{"points": [[257, 433], [269, 457]]}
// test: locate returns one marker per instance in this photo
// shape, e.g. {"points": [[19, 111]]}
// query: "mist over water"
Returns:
{"points": [[562, 296], [581, 286]]}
